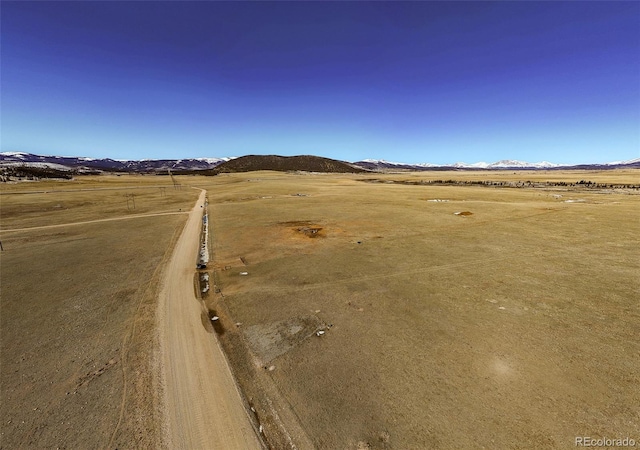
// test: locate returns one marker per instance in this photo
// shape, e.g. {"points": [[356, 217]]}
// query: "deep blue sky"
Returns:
{"points": [[432, 82]]}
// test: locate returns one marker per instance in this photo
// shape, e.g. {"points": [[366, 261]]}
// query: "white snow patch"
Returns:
{"points": [[478, 165], [628, 161], [211, 160], [20, 155], [41, 165], [428, 165], [383, 161]]}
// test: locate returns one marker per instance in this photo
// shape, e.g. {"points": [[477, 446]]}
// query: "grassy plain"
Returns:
{"points": [[515, 327], [78, 310], [52, 202]]}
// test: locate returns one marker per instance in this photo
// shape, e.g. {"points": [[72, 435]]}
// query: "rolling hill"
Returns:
{"points": [[306, 163]]}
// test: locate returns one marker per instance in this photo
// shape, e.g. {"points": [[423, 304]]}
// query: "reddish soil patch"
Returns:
{"points": [[306, 228]]}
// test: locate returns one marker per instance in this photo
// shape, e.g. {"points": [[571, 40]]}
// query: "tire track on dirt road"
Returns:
{"points": [[203, 407]]}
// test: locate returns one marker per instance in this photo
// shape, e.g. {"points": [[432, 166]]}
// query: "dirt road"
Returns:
{"points": [[84, 222], [203, 408]]}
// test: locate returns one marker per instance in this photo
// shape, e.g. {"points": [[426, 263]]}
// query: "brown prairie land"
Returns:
{"points": [[514, 326], [78, 310]]}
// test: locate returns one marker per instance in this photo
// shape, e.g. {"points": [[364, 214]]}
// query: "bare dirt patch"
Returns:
{"points": [[306, 228], [270, 340]]}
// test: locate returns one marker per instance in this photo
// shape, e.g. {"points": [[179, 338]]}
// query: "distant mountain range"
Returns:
{"points": [[106, 164], [509, 164], [270, 162]]}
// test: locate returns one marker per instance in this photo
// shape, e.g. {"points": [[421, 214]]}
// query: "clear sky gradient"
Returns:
{"points": [[414, 82]]}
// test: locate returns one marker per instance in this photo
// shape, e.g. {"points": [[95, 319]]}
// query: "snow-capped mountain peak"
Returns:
{"points": [[478, 165], [384, 161]]}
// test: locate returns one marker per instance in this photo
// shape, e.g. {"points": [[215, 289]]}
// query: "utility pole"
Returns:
{"points": [[132, 198]]}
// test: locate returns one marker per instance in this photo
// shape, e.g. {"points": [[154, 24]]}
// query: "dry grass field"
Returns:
{"points": [[43, 203], [78, 310], [515, 326]]}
